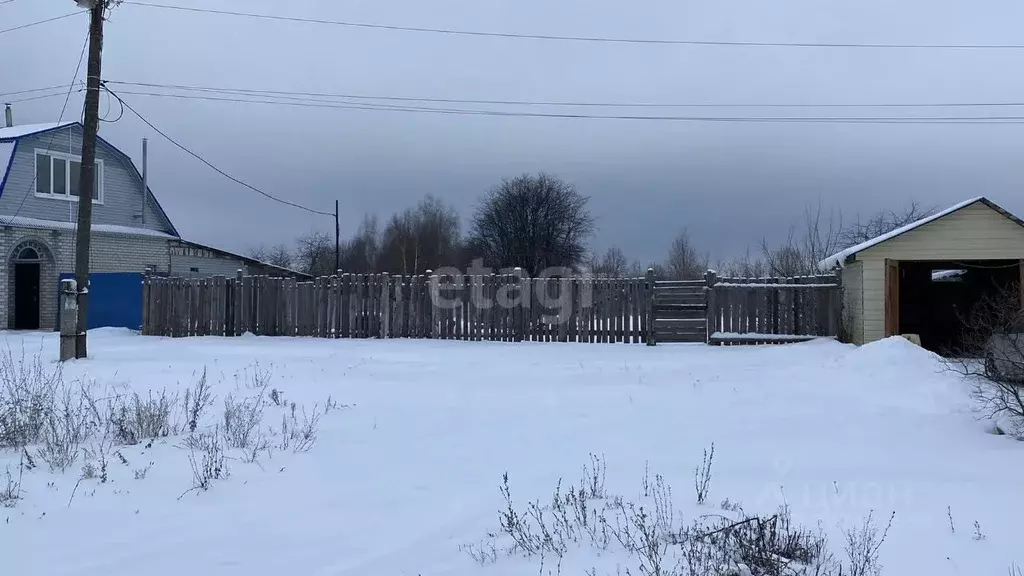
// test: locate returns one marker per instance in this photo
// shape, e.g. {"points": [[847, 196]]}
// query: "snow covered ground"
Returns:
{"points": [[407, 470]]}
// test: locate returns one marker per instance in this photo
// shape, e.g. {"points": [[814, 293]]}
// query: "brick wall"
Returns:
{"points": [[108, 253]]}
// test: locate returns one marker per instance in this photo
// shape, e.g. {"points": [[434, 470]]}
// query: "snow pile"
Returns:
{"points": [[408, 475]]}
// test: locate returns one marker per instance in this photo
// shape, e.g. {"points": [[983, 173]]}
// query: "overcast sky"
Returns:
{"points": [[729, 184]]}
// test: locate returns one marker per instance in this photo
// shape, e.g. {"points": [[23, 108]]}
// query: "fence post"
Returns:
{"points": [[385, 304], [650, 308], [711, 302], [145, 329], [433, 293], [68, 319]]}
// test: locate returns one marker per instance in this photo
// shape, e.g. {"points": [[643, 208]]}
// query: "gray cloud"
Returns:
{"points": [[729, 184]]}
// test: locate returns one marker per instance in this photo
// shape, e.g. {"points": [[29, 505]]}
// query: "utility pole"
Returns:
{"points": [[87, 176], [337, 239]]}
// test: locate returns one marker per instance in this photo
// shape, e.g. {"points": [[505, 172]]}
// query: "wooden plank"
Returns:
{"points": [[215, 302], [409, 306], [463, 316], [752, 311], [635, 310], [204, 307], [497, 296], [217, 315], [145, 328], [245, 306], [352, 305], [294, 309], [192, 323], [613, 310]]}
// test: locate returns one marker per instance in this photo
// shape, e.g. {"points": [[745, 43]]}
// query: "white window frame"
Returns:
{"points": [[68, 158]]}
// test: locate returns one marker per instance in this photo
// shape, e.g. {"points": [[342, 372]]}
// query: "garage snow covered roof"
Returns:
{"points": [[838, 259]]}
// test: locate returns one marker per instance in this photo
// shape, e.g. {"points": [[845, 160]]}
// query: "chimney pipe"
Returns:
{"points": [[145, 178], [8, 117]]}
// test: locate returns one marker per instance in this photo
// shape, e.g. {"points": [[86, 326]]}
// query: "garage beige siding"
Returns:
{"points": [[853, 302], [975, 232]]}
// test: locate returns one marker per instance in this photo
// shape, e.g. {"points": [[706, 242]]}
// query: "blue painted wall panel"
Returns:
{"points": [[115, 299]]}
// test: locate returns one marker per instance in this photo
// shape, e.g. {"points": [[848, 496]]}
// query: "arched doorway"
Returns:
{"points": [[29, 265]]}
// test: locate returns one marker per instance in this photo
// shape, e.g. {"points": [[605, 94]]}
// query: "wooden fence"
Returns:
{"points": [[773, 310], [495, 307]]}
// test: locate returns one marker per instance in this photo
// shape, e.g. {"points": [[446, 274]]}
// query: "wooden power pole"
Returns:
{"points": [[87, 176]]}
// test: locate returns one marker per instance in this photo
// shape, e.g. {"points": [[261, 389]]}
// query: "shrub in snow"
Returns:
{"points": [[135, 418], [10, 490], [702, 476], [197, 400], [299, 436], [992, 359], [862, 546], [727, 543], [65, 430], [140, 473], [28, 391], [242, 420], [207, 459]]}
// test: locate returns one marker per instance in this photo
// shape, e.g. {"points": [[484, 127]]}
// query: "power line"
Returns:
{"points": [[665, 118], [60, 119], [552, 103], [30, 91], [30, 24], [593, 39], [40, 97], [204, 161]]}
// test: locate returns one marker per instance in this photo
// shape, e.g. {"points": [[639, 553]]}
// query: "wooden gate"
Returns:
{"points": [[680, 311]]}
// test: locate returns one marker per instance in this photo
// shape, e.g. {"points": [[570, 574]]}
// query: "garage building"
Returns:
{"points": [[925, 277]]}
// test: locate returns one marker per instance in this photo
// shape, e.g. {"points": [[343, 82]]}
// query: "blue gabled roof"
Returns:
{"points": [[9, 143]]}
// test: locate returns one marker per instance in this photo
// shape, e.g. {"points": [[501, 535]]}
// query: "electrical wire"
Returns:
{"points": [[662, 118], [208, 163], [308, 95], [565, 38], [60, 119], [32, 90], [40, 97], [985, 267], [30, 24]]}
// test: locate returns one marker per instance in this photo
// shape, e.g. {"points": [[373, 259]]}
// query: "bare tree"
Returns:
{"points": [[882, 223], [360, 253], [426, 237], [684, 262], [745, 266], [613, 264], [801, 253], [821, 237], [785, 260], [992, 356], [533, 222], [277, 255], [314, 254]]}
